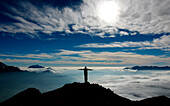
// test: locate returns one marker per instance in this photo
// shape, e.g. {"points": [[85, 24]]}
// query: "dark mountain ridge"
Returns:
{"points": [[148, 68], [79, 94], [5, 68], [36, 66]]}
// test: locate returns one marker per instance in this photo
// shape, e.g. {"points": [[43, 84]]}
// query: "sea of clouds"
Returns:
{"points": [[138, 85], [131, 84]]}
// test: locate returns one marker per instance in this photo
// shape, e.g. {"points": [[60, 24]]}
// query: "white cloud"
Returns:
{"points": [[124, 33], [112, 45], [69, 52], [162, 43], [8, 60], [89, 57], [37, 56], [136, 85], [145, 16]]}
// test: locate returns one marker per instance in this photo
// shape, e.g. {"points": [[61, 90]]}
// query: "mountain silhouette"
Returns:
{"points": [[28, 97], [79, 94], [85, 94], [5, 68], [148, 68], [36, 66]]}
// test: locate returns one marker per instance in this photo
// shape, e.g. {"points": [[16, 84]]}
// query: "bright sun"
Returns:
{"points": [[108, 11]]}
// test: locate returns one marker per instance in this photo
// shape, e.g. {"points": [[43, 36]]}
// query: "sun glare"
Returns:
{"points": [[108, 11]]}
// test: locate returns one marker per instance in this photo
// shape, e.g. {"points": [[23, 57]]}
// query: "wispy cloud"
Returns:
{"points": [[151, 16], [37, 56], [162, 43], [89, 57]]}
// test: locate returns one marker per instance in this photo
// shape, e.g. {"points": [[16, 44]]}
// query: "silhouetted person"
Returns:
{"points": [[85, 74]]}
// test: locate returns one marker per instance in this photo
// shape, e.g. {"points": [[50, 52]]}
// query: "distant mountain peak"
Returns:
{"points": [[36, 66], [149, 68]]}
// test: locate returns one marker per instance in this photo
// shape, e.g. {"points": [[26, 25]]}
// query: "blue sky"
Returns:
{"points": [[85, 32]]}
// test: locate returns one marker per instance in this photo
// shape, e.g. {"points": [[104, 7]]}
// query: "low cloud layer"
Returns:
{"points": [[151, 16], [137, 85]]}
